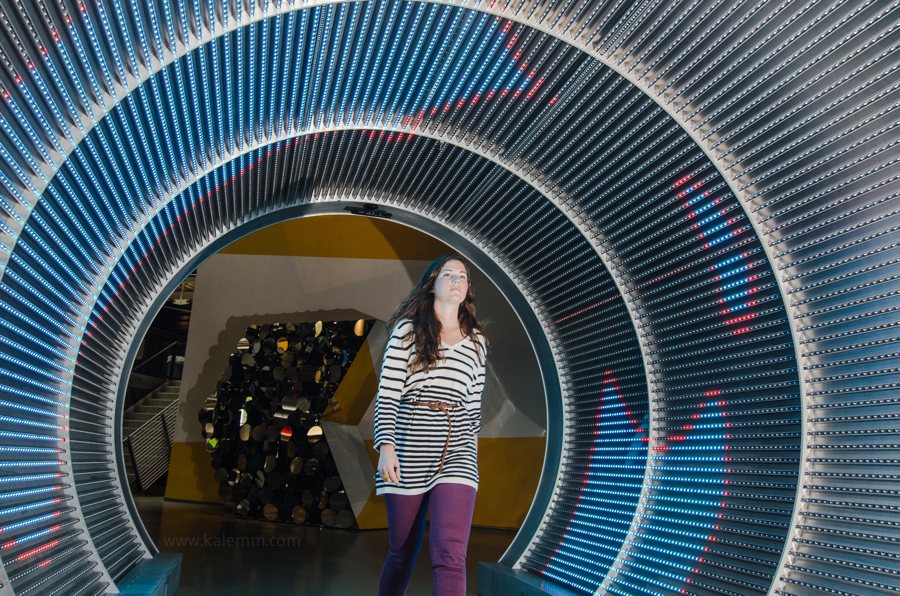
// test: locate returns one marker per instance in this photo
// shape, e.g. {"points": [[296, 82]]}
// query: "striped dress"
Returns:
{"points": [[419, 432]]}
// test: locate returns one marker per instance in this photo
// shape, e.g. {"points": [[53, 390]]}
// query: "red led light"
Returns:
{"points": [[681, 181], [38, 550]]}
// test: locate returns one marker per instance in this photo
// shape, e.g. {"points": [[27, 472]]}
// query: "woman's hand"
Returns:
{"points": [[388, 464]]}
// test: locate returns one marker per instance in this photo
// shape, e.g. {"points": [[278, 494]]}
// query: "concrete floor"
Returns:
{"points": [[223, 554]]}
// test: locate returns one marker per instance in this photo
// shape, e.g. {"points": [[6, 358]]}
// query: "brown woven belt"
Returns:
{"points": [[445, 408]]}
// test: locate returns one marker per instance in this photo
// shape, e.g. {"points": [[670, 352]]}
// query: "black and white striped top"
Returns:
{"points": [[419, 432]]}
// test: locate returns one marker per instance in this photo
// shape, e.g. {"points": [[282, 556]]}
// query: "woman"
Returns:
{"points": [[427, 417]]}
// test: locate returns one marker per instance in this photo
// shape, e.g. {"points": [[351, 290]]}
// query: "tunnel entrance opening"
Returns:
{"points": [[267, 276]]}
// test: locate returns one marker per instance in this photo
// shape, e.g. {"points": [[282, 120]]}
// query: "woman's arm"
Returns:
{"points": [[394, 370], [476, 388]]}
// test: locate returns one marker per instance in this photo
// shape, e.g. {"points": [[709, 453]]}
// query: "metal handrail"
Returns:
{"points": [[150, 459], [161, 413], [158, 354]]}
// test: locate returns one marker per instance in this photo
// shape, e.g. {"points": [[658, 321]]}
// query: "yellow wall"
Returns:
{"points": [[340, 236], [191, 476], [356, 390]]}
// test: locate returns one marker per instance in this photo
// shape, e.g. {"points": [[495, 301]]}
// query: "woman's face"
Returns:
{"points": [[452, 283]]}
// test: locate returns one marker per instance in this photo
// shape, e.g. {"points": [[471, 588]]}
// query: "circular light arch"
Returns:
{"points": [[719, 64]]}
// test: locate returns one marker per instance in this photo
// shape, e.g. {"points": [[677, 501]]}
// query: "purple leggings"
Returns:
{"points": [[451, 508]]}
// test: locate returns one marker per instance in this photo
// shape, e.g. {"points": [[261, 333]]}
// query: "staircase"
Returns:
{"points": [[147, 431]]}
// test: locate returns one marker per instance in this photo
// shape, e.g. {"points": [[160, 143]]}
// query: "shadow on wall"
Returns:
{"points": [[514, 403]]}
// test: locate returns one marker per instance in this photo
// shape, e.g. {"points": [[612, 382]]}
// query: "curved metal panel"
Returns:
{"points": [[135, 133]]}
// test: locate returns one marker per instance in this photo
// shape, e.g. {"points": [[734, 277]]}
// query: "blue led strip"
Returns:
{"points": [[44, 360], [74, 80], [127, 209], [230, 136], [105, 213], [21, 175], [239, 132], [17, 141], [172, 129], [64, 245], [303, 117], [458, 59], [33, 307], [429, 99], [169, 25], [414, 68], [147, 167], [20, 509], [6, 434], [5, 529], [337, 60], [35, 110], [97, 52], [192, 124], [88, 240], [256, 83], [281, 116], [60, 88], [619, 431], [109, 38], [387, 33], [58, 263], [20, 118], [349, 98]]}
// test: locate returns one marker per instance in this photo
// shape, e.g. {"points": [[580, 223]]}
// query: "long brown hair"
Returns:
{"points": [[418, 308]]}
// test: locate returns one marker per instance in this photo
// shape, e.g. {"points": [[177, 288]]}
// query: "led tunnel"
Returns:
{"points": [[691, 204]]}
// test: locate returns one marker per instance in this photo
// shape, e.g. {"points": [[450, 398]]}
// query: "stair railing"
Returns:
{"points": [[149, 446], [167, 371], [170, 368]]}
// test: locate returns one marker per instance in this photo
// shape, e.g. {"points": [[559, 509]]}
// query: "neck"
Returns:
{"points": [[447, 314]]}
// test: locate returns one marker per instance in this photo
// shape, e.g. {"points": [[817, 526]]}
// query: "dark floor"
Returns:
{"points": [[224, 554]]}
